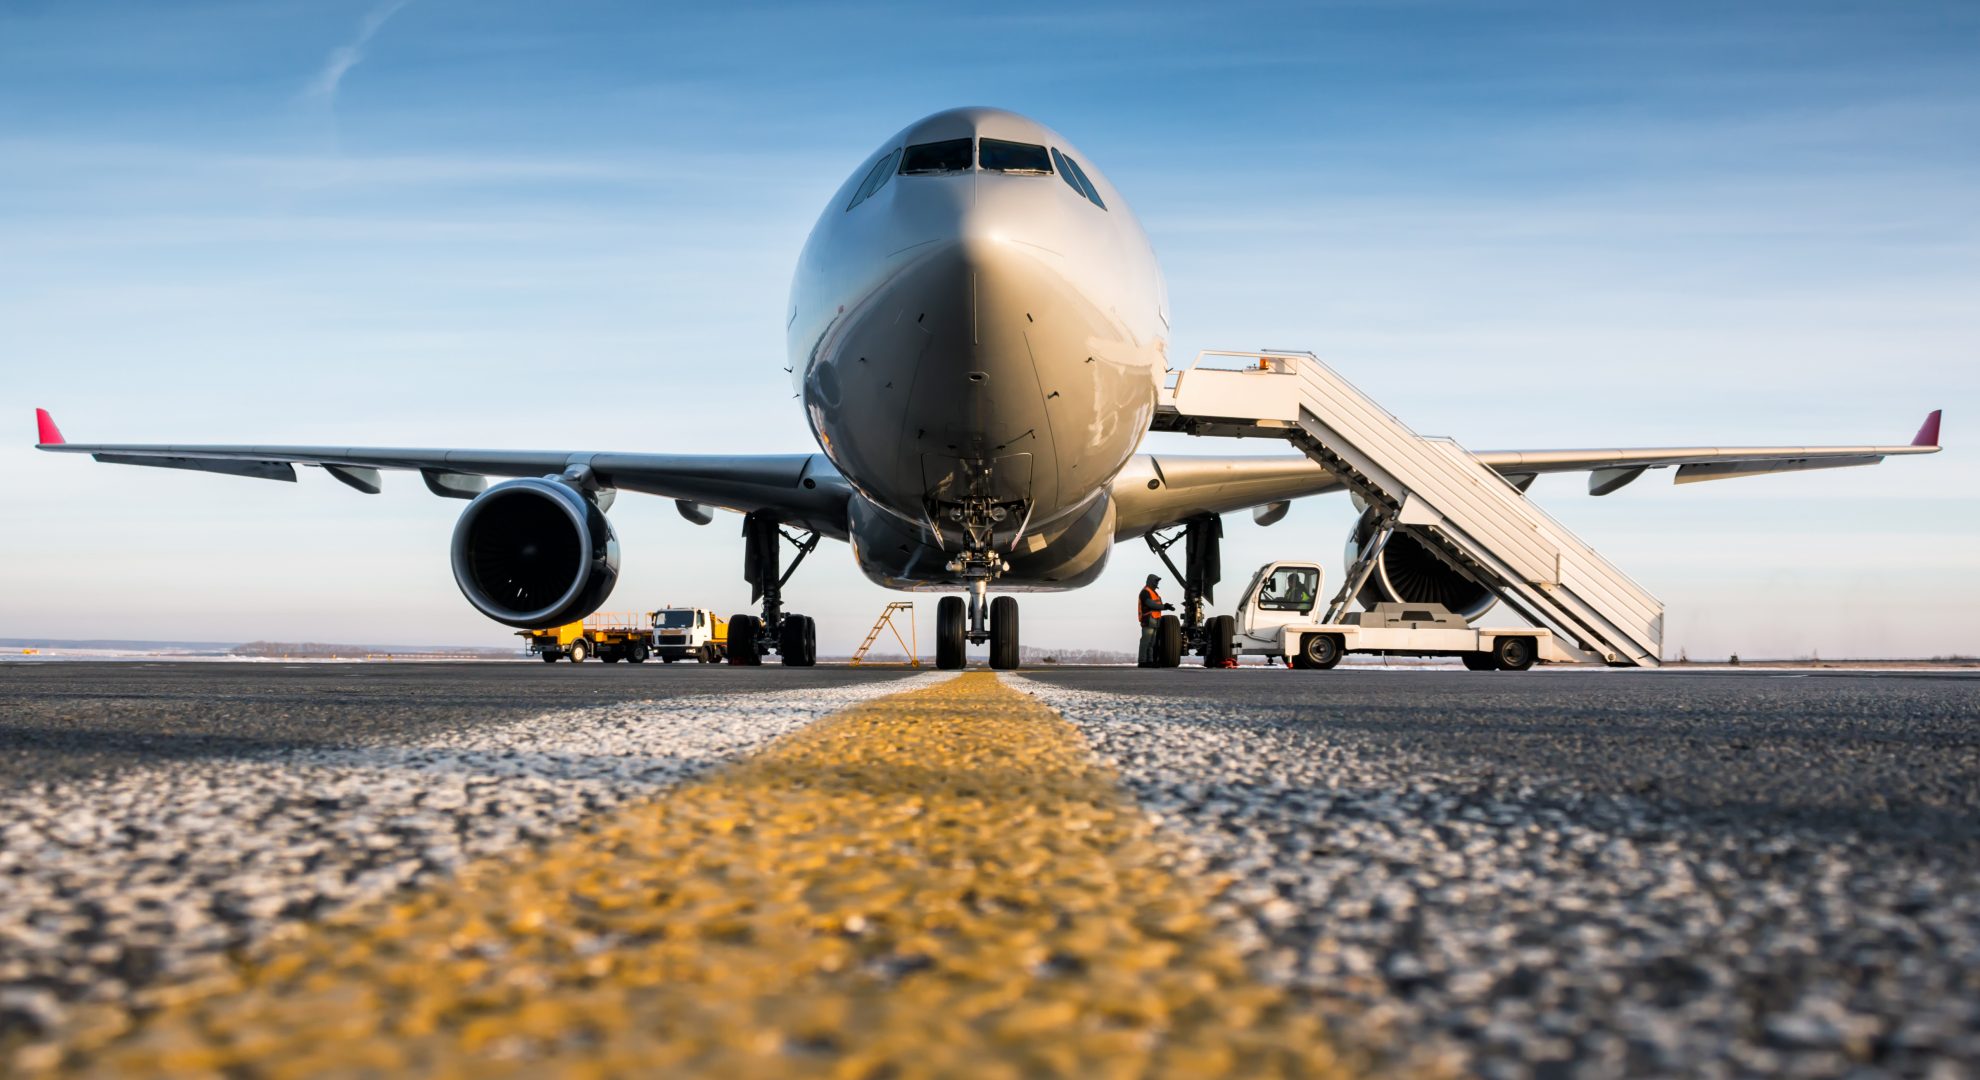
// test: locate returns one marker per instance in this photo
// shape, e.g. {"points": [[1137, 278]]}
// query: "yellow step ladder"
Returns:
{"points": [[886, 622]]}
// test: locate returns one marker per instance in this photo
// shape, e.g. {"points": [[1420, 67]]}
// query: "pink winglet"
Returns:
{"points": [[50, 435], [1928, 435]]}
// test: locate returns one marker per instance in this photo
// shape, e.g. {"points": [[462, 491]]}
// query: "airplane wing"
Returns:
{"points": [[1609, 470], [1158, 490], [803, 489]]}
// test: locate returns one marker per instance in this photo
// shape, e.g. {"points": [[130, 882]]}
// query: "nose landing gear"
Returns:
{"points": [[958, 626]]}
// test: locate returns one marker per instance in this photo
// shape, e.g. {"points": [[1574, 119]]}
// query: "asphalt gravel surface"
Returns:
{"points": [[1544, 874], [1587, 873], [155, 819]]}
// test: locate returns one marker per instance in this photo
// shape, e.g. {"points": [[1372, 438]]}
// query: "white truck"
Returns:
{"points": [[690, 633], [1280, 614]]}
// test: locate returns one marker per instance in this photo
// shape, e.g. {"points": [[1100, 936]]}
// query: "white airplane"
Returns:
{"points": [[978, 329]]}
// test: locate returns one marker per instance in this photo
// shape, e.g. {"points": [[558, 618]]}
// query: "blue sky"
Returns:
{"points": [[489, 224]]}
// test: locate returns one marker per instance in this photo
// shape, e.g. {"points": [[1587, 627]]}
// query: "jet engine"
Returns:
{"points": [[534, 553], [1407, 572]]}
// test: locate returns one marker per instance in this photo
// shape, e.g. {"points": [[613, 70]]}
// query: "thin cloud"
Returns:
{"points": [[345, 57]]}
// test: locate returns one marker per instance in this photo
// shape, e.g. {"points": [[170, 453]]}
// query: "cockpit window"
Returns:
{"points": [[882, 171], [949, 155], [1066, 174], [996, 155], [1076, 177]]}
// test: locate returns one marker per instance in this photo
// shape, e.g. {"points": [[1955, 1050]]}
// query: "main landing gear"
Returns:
{"points": [[794, 638], [1212, 638], [959, 625]]}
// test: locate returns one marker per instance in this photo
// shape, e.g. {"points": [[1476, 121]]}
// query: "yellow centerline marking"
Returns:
{"points": [[936, 882]]}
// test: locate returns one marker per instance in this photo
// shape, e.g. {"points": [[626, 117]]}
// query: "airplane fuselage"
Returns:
{"points": [[977, 329]]}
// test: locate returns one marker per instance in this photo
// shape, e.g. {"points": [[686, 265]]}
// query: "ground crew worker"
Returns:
{"points": [[1148, 609]]}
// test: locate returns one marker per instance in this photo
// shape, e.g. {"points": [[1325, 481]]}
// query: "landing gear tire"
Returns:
{"points": [[1514, 653], [1221, 646], [1168, 641], [951, 623], [1318, 652], [1004, 633], [578, 652], [742, 641], [797, 641], [1478, 661], [636, 654]]}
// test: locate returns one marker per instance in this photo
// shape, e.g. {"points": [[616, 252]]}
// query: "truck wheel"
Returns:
{"points": [[1319, 651], [549, 657], [1514, 653], [742, 641], [637, 654], [1004, 633], [950, 624], [1220, 644], [1478, 661], [797, 641], [578, 651], [1168, 641]]}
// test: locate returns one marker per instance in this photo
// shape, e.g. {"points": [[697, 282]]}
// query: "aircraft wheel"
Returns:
{"points": [[1514, 653], [1319, 651], [951, 620], [742, 641], [1168, 641], [1004, 633], [1477, 661], [797, 641], [1221, 646], [578, 651]]}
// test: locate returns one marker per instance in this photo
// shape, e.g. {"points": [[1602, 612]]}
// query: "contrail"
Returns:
{"points": [[345, 57]]}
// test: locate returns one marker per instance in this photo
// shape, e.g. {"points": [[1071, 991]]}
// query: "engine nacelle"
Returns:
{"points": [[535, 553], [1406, 572]]}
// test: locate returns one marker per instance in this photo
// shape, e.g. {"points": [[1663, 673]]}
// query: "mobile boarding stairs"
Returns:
{"points": [[1430, 488]]}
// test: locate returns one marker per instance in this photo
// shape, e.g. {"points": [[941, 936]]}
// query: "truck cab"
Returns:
{"points": [[690, 634]]}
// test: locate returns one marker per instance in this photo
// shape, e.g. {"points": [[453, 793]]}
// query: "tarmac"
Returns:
{"points": [[267, 868]]}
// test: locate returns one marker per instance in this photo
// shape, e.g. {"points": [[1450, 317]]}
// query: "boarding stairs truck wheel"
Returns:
{"points": [[951, 623], [1514, 653], [579, 651], [1478, 661], [1318, 652]]}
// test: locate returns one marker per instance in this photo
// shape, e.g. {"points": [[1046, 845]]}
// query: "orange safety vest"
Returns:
{"points": [[1149, 601]]}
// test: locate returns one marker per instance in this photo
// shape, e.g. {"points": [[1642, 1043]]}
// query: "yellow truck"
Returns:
{"points": [[690, 633], [609, 636]]}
